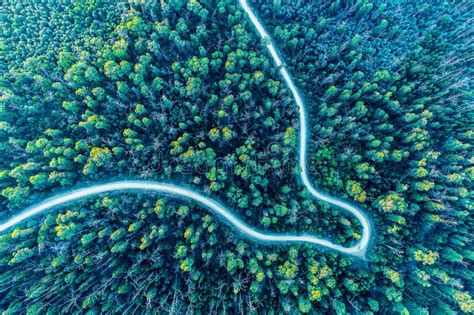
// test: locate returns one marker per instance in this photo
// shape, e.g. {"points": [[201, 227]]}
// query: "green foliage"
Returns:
{"points": [[184, 91]]}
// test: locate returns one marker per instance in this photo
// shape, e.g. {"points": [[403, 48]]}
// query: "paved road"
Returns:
{"points": [[228, 215]]}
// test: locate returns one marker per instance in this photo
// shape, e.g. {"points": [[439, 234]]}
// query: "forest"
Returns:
{"points": [[184, 91]]}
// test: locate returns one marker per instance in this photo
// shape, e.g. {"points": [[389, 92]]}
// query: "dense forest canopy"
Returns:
{"points": [[184, 91]]}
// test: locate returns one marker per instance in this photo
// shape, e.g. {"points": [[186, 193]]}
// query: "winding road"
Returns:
{"points": [[358, 249]]}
